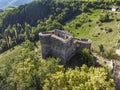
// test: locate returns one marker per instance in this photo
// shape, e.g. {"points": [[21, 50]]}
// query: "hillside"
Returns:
{"points": [[21, 65], [98, 31]]}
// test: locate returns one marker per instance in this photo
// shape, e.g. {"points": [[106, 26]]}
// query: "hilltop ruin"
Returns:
{"points": [[61, 44]]}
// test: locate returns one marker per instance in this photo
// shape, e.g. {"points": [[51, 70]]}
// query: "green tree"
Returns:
{"points": [[86, 57], [83, 78], [27, 31], [31, 73], [104, 18]]}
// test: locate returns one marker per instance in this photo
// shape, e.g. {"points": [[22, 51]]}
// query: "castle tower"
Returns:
{"points": [[45, 44], [82, 44], [61, 44]]}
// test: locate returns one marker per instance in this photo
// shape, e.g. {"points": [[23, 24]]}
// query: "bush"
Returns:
{"points": [[77, 25], [100, 24], [101, 28], [87, 57], [101, 48], [97, 22], [119, 41], [98, 33], [112, 55], [89, 25], [117, 19], [108, 30], [104, 18]]}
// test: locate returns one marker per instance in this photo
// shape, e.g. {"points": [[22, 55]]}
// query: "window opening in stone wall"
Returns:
{"points": [[78, 45]]}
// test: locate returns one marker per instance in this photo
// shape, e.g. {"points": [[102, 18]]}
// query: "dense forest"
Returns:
{"points": [[22, 68]]}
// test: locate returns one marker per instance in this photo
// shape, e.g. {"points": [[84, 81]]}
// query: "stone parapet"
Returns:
{"points": [[61, 44]]}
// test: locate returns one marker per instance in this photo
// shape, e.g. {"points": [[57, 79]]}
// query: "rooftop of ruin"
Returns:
{"points": [[58, 34], [64, 36]]}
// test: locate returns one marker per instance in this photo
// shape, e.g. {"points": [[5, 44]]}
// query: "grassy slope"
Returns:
{"points": [[109, 40], [14, 53], [13, 56]]}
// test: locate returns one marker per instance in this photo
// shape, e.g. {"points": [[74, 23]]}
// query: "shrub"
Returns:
{"points": [[100, 24], [119, 41], [77, 25], [104, 18], [87, 57], [108, 30], [101, 48], [117, 19], [112, 55], [97, 22], [98, 33], [89, 25], [101, 28]]}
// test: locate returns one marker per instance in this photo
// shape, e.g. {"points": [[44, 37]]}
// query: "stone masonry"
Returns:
{"points": [[61, 44]]}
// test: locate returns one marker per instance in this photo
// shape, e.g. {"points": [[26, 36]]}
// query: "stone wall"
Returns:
{"points": [[61, 45], [62, 49], [45, 44]]}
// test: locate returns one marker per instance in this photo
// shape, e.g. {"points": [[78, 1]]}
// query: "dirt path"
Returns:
{"points": [[117, 74], [103, 61], [109, 63]]}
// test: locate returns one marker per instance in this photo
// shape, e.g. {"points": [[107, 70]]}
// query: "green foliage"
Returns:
{"points": [[50, 25], [86, 57], [30, 74], [101, 48], [83, 78], [111, 54], [22, 67], [104, 18], [28, 32], [118, 41]]}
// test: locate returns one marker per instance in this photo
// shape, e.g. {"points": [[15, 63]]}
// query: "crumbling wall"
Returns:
{"points": [[61, 45], [116, 73], [82, 44], [45, 44]]}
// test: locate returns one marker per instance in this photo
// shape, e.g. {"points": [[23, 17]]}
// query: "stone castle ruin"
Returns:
{"points": [[61, 44]]}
